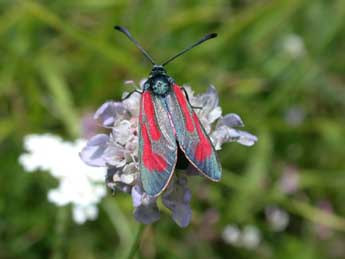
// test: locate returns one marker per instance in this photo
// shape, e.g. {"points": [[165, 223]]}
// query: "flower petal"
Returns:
{"points": [[147, 214], [123, 178], [210, 111], [130, 173], [122, 132], [246, 138], [231, 120], [224, 134], [210, 97], [108, 112], [115, 154], [177, 198], [214, 114], [132, 104], [83, 213], [219, 136], [137, 194], [146, 210], [93, 153]]}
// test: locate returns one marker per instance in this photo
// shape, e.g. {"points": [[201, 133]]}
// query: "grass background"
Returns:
{"points": [[61, 59]]}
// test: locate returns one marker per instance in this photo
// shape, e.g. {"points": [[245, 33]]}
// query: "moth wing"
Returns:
{"points": [[191, 135], [157, 144]]}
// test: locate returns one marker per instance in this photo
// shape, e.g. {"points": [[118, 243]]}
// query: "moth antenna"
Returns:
{"points": [[127, 33], [203, 39]]}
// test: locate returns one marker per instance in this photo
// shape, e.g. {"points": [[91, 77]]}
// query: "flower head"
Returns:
{"points": [[293, 45], [249, 237], [277, 218], [79, 185], [118, 151]]}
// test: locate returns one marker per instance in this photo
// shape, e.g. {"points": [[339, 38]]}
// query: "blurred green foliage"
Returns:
{"points": [[278, 63]]}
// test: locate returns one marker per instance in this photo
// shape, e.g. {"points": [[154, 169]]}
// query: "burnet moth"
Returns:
{"points": [[169, 125]]}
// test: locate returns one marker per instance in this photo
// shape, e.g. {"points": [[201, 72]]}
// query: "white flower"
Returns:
{"points": [[293, 45], [79, 185], [278, 218], [231, 235], [249, 237], [84, 213]]}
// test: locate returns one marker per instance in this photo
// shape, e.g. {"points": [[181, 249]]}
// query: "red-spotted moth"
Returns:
{"points": [[168, 124]]}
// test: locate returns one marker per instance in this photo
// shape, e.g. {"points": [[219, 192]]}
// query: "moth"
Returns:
{"points": [[168, 126]]}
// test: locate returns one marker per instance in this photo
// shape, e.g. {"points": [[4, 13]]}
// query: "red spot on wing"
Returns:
{"points": [[149, 110], [182, 100], [203, 149], [152, 161]]}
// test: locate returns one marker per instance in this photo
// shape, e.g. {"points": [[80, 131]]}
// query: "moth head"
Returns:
{"points": [[158, 70]]}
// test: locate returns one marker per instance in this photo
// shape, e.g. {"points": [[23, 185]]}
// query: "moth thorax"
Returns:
{"points": [[160, 85]]}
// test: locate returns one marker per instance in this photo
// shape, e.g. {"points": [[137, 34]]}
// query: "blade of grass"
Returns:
{"points": [[120, 224], [134, 248], [315, 215], [116, 56], [62, 98]]}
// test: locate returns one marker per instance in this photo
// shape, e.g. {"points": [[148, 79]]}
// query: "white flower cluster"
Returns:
{"points": [[249, 237], [79, 185]]}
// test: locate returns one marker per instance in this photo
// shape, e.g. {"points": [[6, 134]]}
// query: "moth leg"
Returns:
{"points": [[186, 94], [130, 93]]}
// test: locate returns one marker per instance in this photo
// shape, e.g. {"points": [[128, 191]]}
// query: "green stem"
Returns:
{"points": [[136, 242], [62, 97], [119, 221], [315, 215], [60, 230]]}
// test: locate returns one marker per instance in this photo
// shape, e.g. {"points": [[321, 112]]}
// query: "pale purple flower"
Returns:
{"points": [[208, 225], [177, 198], [145, 207], [226, 131], [109, 112], [324, 232], [89, 126], [294, 116], [118, 151], [209, 102], [93, 153], [289, 181]]}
